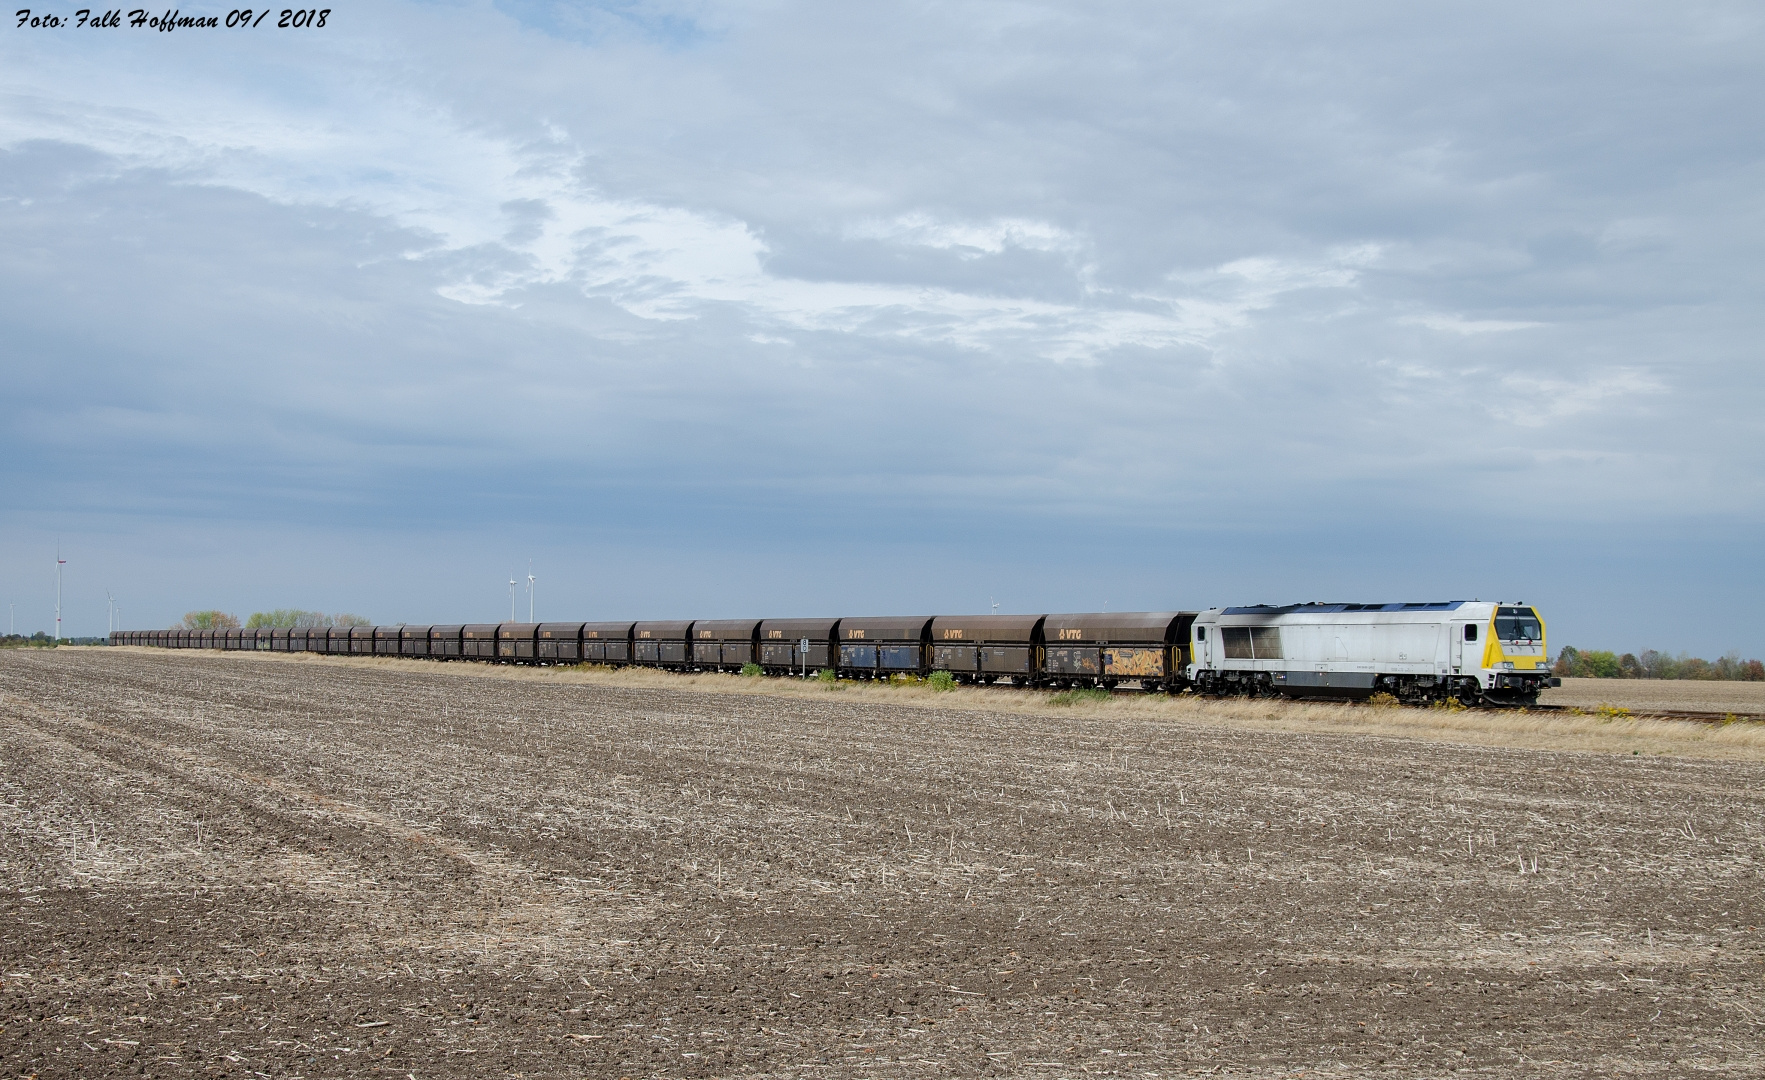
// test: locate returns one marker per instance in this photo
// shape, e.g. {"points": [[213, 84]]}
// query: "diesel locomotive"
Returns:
{"points": [[1474, 652]]}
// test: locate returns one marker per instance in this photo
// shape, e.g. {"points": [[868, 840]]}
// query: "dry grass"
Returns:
{"points": [[1520, 730]]}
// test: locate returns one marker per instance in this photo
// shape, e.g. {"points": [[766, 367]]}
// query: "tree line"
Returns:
{"points": [[1597, 664], [280, 618], [38, 640]]}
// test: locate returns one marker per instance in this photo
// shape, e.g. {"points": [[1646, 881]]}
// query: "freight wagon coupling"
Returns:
{"points": [[1467, 651]]}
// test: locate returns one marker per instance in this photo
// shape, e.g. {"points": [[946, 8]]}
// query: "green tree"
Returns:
{"points": [[210, 620], [1586, 664]]}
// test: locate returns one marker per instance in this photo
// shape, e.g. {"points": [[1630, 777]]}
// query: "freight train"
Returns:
{"points": [[1469, 651]]}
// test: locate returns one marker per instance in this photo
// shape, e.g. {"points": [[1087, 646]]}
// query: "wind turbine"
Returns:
{"points": [[511, 599], [530, 581], [59, 563], [112, 601]]}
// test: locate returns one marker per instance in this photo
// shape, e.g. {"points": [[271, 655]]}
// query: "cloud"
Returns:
{"points": [[806, 270], [1454, 324]]}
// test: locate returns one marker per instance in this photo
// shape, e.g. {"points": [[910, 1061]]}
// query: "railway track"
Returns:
{"points": [[1621, 712]]}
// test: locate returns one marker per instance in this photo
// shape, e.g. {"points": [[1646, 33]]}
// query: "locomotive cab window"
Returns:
{"points": [[1201, 633], [1518, 624], [1470, 631]]}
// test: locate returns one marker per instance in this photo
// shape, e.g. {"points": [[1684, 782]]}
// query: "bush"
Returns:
{"points": [[1382, 700], [942, 680], [751, 670], [827, 675]]}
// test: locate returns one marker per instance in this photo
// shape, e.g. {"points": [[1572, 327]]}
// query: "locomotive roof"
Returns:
{"points": [[1327, 609]]}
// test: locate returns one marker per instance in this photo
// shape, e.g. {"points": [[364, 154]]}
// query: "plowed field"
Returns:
{"points": [[217, 865]]}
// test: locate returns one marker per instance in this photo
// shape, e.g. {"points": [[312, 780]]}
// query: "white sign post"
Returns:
{"points": [[803, 647]]}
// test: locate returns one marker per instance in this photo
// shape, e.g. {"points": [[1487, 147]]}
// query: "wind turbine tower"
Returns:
{"points": [[511, 599], [59, 563], [530, 580]]}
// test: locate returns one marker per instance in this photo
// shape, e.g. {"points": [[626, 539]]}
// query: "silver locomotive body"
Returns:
{"points": [[1477, 653]]}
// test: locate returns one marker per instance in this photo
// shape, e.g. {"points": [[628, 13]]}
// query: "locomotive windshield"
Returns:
{"points": [[1518, 624]]}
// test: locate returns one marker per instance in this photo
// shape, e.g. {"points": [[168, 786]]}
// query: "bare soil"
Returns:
{"points": [[214, 865]]}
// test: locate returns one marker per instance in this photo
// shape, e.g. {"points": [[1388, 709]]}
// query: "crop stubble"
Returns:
{"points": [[216, 865]]}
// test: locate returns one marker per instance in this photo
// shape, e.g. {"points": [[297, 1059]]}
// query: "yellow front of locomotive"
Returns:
{"points": [[1516, 664]]}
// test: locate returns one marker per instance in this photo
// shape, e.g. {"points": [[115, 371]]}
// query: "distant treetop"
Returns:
{"points": [[305, 620], [210, 620], [1596, 664]]}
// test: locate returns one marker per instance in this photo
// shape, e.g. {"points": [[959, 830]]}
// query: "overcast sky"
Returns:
{"points": [[775, 308]]}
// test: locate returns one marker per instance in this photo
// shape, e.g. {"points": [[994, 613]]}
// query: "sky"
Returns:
{"points": [[764, 309]]}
